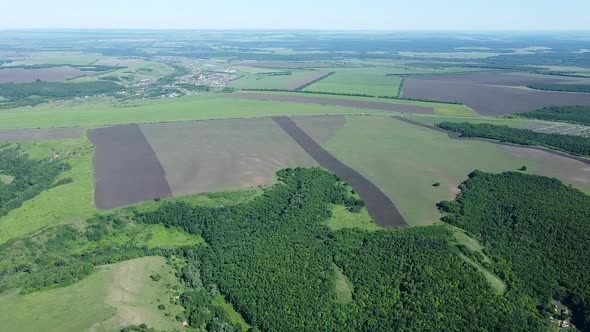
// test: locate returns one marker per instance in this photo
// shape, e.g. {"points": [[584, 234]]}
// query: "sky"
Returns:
{"points": [[391, 15]]}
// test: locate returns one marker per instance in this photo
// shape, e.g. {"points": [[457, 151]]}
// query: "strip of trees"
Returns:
{"points": [[575, 145]]}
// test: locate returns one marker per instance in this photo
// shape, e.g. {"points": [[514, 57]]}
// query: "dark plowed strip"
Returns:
{"points": [[456, 135], [307, 81], [16, 135], [370, 105], [380, 207], [127, 170]]}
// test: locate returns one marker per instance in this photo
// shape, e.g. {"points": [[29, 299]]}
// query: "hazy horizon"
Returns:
{"points": [[370, 15]]}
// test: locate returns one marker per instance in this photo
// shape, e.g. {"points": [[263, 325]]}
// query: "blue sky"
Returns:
{"points": [[301, 14]]}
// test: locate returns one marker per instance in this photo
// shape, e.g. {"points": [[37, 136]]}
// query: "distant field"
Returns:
{"points": [[14, 135], [369, 81], [287, 82], [112, 297], [181, 109], [359, 104], [56, 74], [491, 94], [406, 160], [439, 108]]}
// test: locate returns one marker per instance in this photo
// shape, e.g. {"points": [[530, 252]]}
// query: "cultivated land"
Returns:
{"points": [[367, 81], [380, 207], [210, 156], [19, 135], [172, 128], [288, 80], [183, 109], [406, 160], [127, 170], [491, 95], [368, 105]]}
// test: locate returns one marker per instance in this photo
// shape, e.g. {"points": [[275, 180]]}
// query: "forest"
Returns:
{"points": [[537, 232], [572, 114], [275, 262], [22, 178], [575, 145], [23, 94]]}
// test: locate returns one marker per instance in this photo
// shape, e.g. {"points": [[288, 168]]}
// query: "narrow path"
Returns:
{"points": [[379, 206]]}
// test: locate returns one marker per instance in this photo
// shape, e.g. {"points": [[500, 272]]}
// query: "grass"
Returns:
{"points": [[68, 203], [6, 179], [494, 281], [181, 109], [405, 160], [343, 286], [225, 198], [115, 295], [234, 316], [342, 218]]}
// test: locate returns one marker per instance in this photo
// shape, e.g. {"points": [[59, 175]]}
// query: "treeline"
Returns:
{"points": [[274, 261], [575, 145], [23, 94], [24, 178], [561, 87], [573, 114], [536, 231]]}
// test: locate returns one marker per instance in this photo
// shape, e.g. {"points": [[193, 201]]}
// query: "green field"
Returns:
{"points": [[261, 81], [181, 109], [368, 81], [406, 160], [115, 295], [439, 108]]}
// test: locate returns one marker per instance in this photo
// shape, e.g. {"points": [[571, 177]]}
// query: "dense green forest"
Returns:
{"points": [[537, 232], [575, 145], [276, 263], [22, 178], [561, 87], [23, 94], [573, 114]]}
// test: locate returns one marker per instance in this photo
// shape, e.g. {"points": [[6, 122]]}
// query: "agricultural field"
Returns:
{"points": [[359, 81], [213, 156], [281, 80], [406, 160], [491, 94], [278, 181], [183, 109]]}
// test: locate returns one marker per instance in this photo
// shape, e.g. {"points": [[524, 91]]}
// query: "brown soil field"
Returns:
{"points": [[488, 95], [217, 155], [379, 206], [127, 170], [503, 79], [17, 135], [371, 105], [309, 79], [58, 74]]}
